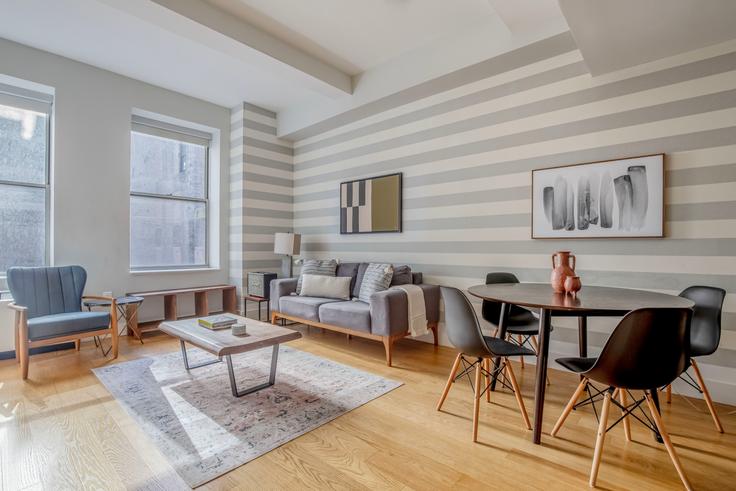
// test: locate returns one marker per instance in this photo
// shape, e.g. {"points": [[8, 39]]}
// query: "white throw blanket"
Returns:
{"points": [[417, 309]]}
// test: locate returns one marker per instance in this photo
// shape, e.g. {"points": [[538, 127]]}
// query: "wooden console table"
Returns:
{"points": [[201, 305]]}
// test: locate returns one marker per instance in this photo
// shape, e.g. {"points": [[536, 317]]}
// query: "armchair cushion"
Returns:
{"points": [[55, 325]]}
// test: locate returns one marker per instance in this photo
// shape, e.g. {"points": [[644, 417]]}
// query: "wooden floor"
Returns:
{"points": [[62, 430]]}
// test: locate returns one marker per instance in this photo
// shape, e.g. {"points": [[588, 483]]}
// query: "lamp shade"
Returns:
{"points": [[288, 244]]}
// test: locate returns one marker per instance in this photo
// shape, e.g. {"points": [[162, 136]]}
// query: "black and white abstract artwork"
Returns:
{"points": [[615, 198]]}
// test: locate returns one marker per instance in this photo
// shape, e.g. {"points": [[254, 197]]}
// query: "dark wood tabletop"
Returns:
{"points": [[589, 299]]}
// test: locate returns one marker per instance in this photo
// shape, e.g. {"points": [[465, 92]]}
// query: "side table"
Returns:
{"points": [[259, 300], [127, 311]]}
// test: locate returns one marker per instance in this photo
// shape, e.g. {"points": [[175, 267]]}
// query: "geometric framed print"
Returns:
{"points": [[611, 198], [371, 205]]}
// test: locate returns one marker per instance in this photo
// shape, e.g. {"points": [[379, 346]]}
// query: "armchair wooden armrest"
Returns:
{"points": [[17, 308], [98, 297]]}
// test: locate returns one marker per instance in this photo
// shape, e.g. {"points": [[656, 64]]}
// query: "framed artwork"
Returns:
{"points": [[371, 205], [612, 198]]}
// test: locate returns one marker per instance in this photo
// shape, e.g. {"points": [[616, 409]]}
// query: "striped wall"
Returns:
{"points": [[466, 143], [261, 199]]}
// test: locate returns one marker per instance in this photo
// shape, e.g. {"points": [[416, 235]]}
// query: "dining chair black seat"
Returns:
{"points": [[705, 336], [475, 352], [648, 349]]}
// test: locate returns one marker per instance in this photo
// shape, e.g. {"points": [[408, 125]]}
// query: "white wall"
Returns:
{"points": [[91, 169]]}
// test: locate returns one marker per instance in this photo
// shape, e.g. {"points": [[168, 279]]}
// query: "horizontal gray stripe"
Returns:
{"points": [[624, 247], [644, 280], [276, 181], [532, 53], [722, 358], [668, 144], [262, 195], [714, 174], [273, 147], [320, 195], [263, 128], [261, 212], [236, 160], [259, 110], [658, 112], [644, 82], [258, 246], [530, 82], [255, 263], [721, 210], [264, 229], [236, 126], [270, 163]]}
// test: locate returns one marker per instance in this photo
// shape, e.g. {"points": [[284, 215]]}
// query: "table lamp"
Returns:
{"points": [[287, 244]]}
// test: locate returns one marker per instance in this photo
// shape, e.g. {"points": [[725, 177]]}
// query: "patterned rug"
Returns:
{"points": [[205, 432]]}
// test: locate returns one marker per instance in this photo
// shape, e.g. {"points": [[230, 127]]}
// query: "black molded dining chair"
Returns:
{"points": [[521, 323], [475, 353], [648, 349], [705, 336]]}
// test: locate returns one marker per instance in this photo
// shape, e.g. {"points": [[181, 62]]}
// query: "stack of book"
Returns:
{"points": [[216, 322]]}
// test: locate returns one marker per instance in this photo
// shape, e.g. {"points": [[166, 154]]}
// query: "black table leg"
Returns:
{"points": [[583, 335], [502, 318], [541, 382]]}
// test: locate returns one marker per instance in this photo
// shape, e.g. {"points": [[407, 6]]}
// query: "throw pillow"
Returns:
{"points": [[402, 276], [326, 267], [377, 278], [314, 285]]}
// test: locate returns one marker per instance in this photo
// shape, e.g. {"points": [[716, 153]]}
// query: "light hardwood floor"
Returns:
{"points": [[62, 430]]}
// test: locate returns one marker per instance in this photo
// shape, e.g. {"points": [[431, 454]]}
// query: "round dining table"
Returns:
{"points": [[591, 301]]}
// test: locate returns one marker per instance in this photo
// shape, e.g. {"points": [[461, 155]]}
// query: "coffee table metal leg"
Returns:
{"points": [[186, 359], [250, 390]]}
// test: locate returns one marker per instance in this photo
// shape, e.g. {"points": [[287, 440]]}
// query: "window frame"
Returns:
{"points": [[172, 197], [46, 185]]}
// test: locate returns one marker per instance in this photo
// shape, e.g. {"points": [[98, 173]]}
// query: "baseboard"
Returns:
{"points": [[9, 355]]}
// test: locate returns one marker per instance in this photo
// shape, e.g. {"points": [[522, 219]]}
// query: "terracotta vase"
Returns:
{"points": [[573, 285], [561, 269]]}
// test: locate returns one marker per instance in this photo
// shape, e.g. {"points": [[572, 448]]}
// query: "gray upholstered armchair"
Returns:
{"points": [[48, 310]]}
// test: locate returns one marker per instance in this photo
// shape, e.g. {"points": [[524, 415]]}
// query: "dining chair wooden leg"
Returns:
{"points": [[706, 396], [450, 380], [535, 344], [487, 367], [517, 393], [668, 394], [570, 404], [624, 402], [601, 437], [667, 442], [476, 401]]}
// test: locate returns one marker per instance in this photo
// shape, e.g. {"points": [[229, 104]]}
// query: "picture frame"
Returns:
{"points": [[618, 198], [371, 205]]}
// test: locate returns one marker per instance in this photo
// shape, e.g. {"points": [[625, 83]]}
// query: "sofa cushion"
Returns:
{"points": [[54, 325], [325, 267], [359, 279], [402, 276], [348, 269], [354, 315], [306, 308], [377, 278]]}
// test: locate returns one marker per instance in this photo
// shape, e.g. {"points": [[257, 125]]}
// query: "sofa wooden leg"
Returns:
{"points": [[77, 344], [274, 317], [387, 342]]}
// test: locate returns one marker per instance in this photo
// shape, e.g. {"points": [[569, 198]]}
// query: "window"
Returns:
{"points": [[24, 177], [168, 196]]}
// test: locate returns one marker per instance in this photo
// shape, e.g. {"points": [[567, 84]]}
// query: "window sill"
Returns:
{"points": [[182, 270]]}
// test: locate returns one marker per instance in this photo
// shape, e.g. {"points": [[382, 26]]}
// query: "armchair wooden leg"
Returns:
{"points": [[624, 403], [706, 396], [23, 345], [570, 404], [602, 425], [476, 401], [17, 344], [114, 328], [667, 442], [450, 380], [517, 393]]}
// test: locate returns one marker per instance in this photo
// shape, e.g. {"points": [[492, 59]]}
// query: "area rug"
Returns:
{"points": [[205, 432]]}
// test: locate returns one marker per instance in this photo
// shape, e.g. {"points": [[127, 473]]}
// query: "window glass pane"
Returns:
{"points": [[22, 226], [167, 232], [168, 167], [23, 137]]}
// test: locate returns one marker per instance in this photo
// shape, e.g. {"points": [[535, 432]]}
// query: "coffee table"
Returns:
{"points": [[223, 343]]}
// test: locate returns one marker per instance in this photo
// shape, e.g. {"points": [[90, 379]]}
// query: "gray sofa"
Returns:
{"points": [[384, 318]]}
